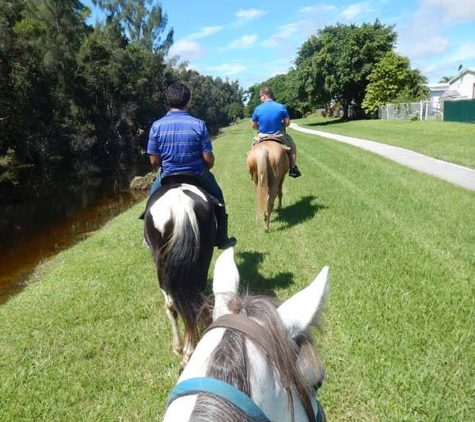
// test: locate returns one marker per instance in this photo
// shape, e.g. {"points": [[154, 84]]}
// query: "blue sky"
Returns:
{"points": [[251, 41]]}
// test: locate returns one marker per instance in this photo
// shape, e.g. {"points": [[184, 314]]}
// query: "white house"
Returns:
{"points": [[460, 87], [436, 91]]}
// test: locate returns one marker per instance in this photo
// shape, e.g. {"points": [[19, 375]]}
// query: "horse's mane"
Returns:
{"points": [[229, 361]]}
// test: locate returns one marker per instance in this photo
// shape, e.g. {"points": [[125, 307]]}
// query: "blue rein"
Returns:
{"points": [[226, 392], [220, 389]]}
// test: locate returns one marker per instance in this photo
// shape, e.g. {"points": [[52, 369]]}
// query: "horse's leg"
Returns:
{"points": [[279, 193], [256, 187], [268, 213], [172, 315], [188, 347]]}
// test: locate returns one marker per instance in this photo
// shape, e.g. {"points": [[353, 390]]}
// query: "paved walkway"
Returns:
{"points": [[453, 173]]}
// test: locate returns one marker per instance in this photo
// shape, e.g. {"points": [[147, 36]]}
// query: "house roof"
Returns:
{"points": [[450, 94], [463, 72], [438, 87]]}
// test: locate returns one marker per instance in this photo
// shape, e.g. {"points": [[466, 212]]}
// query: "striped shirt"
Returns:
{"points": [[180, 140]]}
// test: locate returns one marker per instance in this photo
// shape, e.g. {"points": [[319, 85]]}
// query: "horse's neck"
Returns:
{"points": [[181, 408], [199, 361]]}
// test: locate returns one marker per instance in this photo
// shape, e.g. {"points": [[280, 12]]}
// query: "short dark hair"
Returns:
{"points": [[265, 90], [177, 95]]}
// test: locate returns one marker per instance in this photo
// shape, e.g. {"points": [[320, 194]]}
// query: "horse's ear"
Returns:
{"points": [[225, 282], [302, 309]]}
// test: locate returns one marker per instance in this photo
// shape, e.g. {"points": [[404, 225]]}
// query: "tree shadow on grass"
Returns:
{"points": [[326, 123], [255, 282], [303, 210]]}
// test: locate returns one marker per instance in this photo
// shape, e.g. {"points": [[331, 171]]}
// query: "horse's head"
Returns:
{"points": [[257, 362]]}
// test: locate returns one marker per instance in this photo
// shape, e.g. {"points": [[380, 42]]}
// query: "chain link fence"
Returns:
{"points": [[423, 110]]}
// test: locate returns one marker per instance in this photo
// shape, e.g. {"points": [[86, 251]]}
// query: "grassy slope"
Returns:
{"points": [[450, 141], [90, 340]]}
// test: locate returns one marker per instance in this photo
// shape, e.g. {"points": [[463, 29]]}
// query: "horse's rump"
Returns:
{"points": [[267, 164], [180, 228]]}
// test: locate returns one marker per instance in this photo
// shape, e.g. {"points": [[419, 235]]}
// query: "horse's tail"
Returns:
{"points": [[178, 258], [262, 173]]}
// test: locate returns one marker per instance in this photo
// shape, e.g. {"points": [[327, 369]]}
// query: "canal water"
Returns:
{"points": [[38, 226]]}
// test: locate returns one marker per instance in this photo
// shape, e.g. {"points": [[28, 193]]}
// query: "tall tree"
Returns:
{"points": [[41, 75], [58, 28], [143, 20], [392, 78], [9, 15], [217, 102], [335, 63], [285, 89]]}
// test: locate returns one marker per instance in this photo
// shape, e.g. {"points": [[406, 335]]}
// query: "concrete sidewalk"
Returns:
{"points": [[453, 173]]}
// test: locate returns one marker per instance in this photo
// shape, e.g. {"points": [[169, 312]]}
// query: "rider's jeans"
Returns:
{"points": [[207, 180]]}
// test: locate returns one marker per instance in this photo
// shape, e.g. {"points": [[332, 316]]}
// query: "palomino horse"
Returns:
{"points": [[180, 229], [268, 163], [256, 362]]}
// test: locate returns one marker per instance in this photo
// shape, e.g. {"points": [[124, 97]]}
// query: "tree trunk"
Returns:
{"points": [[345, 108]]}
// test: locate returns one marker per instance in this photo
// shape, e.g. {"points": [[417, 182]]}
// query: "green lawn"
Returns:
{"points": [[88, 339], [449, 141]]}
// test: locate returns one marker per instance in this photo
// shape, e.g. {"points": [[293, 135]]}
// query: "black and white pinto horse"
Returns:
{"points": [[256, 362], [180, 229]]}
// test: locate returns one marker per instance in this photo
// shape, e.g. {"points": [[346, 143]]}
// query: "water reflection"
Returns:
{"points": [[37, 227]]}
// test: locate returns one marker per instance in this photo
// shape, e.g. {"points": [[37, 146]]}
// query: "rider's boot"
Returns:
{"points": [[295, 172], [222, 239]]}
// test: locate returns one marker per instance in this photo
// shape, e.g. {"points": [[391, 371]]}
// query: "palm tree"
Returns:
{"points": [[445, 79]]}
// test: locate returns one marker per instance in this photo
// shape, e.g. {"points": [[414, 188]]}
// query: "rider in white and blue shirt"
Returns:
{"points": [[180, 143]]}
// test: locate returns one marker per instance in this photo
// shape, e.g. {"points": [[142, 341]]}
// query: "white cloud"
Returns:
{"points": [[186, 49], [423, 47], [316, 9], [464, 53], [430, 69], [279, 39], [250, 14], [355, 10], [205, 32], [420, 38], [453, 10], [227, 69], [246, 41]]}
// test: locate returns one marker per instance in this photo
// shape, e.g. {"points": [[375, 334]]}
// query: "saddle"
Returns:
{"points": [[179, 178], [274, 138], [188, 178]]}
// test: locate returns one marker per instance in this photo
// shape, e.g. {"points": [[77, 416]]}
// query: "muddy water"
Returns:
{"points": [[54, 223]]}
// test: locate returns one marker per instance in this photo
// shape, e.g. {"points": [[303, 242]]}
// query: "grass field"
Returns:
{"points": [[88, 339], [450, 141]]}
